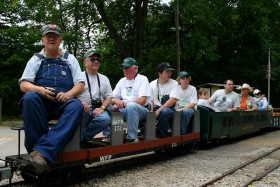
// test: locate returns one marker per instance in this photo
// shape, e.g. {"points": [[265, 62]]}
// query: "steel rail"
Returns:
{"points": [[259, 177], [238, 167]]}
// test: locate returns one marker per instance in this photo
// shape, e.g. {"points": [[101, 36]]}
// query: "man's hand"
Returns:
{"points": [[48, 92], [97, 112], [119, 103], [62, 97], [86, 106]]}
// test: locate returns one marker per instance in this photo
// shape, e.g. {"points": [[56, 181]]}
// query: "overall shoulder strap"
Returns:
{"points": [[40, 56], [65, 56]]}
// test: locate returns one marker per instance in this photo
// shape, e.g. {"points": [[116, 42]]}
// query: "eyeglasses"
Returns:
{"points": [[54, 36], [95, 60]]}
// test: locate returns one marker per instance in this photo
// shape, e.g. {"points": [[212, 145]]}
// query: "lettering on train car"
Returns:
{"points": [[174, 144], [105, 158], [117, 126], [247, 127]]}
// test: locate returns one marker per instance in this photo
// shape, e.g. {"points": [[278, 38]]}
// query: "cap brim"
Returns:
{"points": [[171, 69], [50, 31], [97, 54], [184, 76], [126, 65]]}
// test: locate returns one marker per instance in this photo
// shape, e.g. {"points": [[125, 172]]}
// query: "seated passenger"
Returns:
{"points": [[131, 96], [96, 97], [260, 100], [51, 81], [247, 102], [225, 99], [202, 101], [184, 96], [160, 90]]}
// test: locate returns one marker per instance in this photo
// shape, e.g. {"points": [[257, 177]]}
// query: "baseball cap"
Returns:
{"points": [[256, 91], [127, 62], [164, 66], [183, 74], [51, 28], [91, 52]]}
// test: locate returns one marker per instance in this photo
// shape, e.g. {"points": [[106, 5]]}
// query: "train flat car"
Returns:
{"points": [[76, 155]]}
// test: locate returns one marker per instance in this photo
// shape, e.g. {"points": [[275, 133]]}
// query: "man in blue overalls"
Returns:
{"points": [[51, 81]]}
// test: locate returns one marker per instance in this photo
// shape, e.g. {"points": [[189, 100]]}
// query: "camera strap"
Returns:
{"points": [[89, 87], [158, 90]]}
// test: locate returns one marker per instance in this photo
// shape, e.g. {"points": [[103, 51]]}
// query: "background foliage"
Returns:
{"points": [[219, 39]]}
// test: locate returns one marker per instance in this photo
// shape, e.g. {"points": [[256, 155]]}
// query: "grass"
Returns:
{"points": [[10, 123]]}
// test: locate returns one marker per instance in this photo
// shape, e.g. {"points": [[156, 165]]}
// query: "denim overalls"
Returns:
{"points": [[54, 73], [37, 110]]}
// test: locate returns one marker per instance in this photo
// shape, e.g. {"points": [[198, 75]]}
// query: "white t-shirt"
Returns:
{"points": [[184, 97], [224, 101], [204, 102], [102, 93], [261, 103], [128, 90], [158, 90]]}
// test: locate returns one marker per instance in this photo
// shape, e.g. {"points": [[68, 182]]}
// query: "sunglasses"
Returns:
{"points": [[94, 59]]}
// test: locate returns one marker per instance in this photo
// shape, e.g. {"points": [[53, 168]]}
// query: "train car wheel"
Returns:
{"points": [[30, 176], [73, 173]]}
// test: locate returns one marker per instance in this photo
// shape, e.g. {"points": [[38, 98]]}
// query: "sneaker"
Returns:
{"points": [[39, 162], [132, 140], [106, 139], [140, 135], [169, 131]]}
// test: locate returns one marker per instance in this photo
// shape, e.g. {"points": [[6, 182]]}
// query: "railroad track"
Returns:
{"points": [[241, 170], [97, 169]]}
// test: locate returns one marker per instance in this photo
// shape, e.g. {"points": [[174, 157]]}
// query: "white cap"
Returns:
{"points": [[256, 91]]}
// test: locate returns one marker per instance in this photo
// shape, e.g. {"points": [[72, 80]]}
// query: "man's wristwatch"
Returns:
{"points": [[103, 107]]}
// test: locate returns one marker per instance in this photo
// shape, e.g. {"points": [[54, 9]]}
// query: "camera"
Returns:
{"points": [[96, 103], [164, 99]]}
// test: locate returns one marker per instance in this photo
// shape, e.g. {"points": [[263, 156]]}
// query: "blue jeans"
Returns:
{"points": [[186, 116], [133, 113], [164, 120], [37, 111], [91, 126]]}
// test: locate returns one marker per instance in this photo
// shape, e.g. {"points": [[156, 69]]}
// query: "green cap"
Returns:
{"points": [[129, 62], [183, 74]]}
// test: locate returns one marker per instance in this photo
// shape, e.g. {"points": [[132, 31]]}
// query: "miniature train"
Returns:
{"points": [[205, 127]]}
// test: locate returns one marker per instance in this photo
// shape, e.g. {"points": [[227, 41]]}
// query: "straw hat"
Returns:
{"points": [[246, 86]]}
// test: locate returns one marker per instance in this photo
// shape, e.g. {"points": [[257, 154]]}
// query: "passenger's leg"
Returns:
{"points": [[97, 125], [107, 131], [50, 144], [185, 119], [34, 118], [163, 124], [85, 123], [133, 113]]}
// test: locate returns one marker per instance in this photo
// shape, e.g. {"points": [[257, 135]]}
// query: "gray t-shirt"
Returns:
{"points": [[102, 93], [224, 101]]}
